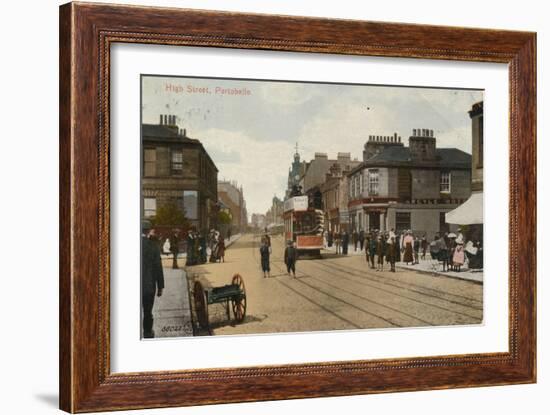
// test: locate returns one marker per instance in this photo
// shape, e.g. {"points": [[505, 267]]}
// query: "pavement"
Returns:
{"points": [[171, 311], [427, 266], [430, 266]]}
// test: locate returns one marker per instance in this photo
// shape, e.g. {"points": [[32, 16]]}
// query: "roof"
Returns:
{"points": [[157, 132], [167, 134], [401, 156]]}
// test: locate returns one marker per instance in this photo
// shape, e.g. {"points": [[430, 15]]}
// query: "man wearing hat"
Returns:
{"points": [[152, 277]]}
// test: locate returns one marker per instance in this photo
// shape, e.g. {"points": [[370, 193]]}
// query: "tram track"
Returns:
{"points": [[434, 290], [380, 280], [326, 309]]}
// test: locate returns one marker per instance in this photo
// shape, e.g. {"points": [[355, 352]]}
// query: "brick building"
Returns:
{"points": [[177, 170], [232, 196], [408, 187]]}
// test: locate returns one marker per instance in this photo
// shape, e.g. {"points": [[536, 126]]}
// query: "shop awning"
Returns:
{"points": [[468, 213]]}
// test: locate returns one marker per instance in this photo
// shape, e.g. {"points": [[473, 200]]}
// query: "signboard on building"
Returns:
{"points": [[296, 203], [344, 216]]}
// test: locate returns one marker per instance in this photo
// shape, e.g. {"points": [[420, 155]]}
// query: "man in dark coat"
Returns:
{"points": [[152, 276], [345, 242], [174, 247], [361, 239], [264, 254], [291, 255]]}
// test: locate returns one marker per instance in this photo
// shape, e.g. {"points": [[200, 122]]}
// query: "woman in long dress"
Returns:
{"points": [[408, 242]]}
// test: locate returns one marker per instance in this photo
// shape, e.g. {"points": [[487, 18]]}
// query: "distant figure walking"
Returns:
{"points": [[291, 255], [380, 252], [393, 252], [355, 239], [221, 249], [345, 242], [371, 249], [264, 254], [361, 239], [424, 246], [174, 247]]}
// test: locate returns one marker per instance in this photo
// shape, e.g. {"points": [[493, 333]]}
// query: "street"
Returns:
{"points": [[333, 293]]}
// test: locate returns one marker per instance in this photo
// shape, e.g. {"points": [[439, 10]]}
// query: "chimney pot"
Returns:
{"points": [[160, 122], [414, 132]]}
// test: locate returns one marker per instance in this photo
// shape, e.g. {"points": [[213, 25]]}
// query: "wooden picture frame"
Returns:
{"points": [[86, 33]]}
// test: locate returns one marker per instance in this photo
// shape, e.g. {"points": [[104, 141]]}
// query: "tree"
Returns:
{"points": [[224, 218], [169, 215]]}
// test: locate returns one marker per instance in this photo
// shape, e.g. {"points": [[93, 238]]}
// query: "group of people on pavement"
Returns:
{"points": [[392, 248], [198, 245], [449, 249]]}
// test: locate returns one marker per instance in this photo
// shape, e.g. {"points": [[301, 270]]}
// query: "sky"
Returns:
{"points": [[252, 135]]}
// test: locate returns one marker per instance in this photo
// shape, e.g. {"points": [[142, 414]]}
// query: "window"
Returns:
{"points": [[177, 162], [373, 182], [190, 204], [445, 182], [149, 207], [402, 221], [150, 162], [357, 186]]}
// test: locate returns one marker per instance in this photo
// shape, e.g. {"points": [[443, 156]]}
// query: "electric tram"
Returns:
{"points": [[304, 225]]}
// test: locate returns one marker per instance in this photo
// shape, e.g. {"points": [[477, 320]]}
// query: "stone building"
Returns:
{"points": [[177, 170], [274, 216], [232, 196], [316, 169], [399, 187], [334, 195]]}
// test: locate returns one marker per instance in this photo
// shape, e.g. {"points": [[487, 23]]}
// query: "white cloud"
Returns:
{"points": [[262, 167]]}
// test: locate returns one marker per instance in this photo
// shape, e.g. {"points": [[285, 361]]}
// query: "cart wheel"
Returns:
{"points": [[239, 303], [201, 304]]}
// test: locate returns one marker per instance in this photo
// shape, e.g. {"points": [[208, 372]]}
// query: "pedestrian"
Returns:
{"points": [[152, 276], [337, 242], [443, 253], [264, 254], [458, 257], [291, 256], [330, 239], [424, 246], [372, 249], [190, 249], [202, 248], [174, 247], [393, 251], [380, 252], [221, 249], [345, 242], [268, 241], [361, 239], [355, 239], [408, 241], [416, 249]]}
